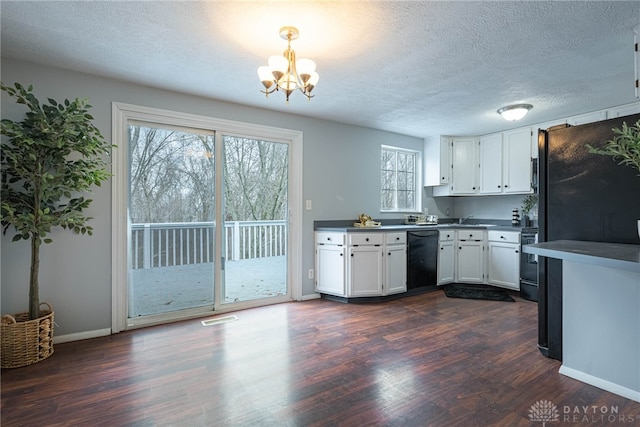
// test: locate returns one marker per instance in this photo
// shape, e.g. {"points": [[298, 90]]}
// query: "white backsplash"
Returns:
{"points": [[486, 207]]}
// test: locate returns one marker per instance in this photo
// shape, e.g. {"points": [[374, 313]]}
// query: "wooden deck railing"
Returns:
{"points": [[171, 244]]}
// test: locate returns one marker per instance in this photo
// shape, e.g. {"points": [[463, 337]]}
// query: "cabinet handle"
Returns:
{"points": [[505, 186], [367, 239], [498, 186], [502, 237], [474, 188], [389, 254], [397, 238], [460, 247], [341, 255], [517, 251], [351, 254]]}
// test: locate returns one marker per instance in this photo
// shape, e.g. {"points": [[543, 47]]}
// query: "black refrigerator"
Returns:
{"points": [[582, 196]]}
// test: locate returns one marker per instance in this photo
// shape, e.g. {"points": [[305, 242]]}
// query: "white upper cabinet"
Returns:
{"points": [[491, 164], [465, 166], [516, 161], [437, 160], [505, 162]]}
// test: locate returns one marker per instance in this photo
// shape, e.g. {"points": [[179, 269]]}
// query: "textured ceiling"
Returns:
{"points": [[417, 68]]}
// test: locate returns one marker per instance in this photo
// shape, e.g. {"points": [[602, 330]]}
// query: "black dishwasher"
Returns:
{"points": [[422, 259]]}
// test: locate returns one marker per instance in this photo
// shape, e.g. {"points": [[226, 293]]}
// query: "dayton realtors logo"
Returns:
{"points": [[546, 411]]}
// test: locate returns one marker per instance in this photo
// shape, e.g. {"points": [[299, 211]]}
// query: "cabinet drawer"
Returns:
{"points": [[504, 236], [366, 239], [396, 238], [329, 238], [470, 234], [446, 235]]}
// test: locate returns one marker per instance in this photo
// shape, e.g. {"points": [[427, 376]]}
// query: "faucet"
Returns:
{"points": [[461, 220]]}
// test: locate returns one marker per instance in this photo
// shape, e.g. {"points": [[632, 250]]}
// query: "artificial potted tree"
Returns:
{"points": [[624, 147], [48, 160]]}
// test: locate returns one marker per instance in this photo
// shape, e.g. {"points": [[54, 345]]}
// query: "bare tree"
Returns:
{"points": [[173, 177], [255, 179]]}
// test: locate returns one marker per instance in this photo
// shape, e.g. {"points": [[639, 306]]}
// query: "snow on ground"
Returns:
{"points": [[164, 289]]}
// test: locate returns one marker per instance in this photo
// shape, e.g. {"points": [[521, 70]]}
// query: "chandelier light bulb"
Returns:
{"points": [[265, 75]]}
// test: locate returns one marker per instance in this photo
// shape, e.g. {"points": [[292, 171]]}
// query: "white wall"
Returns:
{"points": [[341, 177]]}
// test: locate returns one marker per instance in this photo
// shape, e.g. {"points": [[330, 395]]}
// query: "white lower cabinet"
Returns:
{"points": [[470, 256], [370, 264], [446, 257], [504, 259], [363, 264], [330, 263], [395, 264]]}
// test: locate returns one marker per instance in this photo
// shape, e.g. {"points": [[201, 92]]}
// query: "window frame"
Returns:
{"points": [[417, 179]]}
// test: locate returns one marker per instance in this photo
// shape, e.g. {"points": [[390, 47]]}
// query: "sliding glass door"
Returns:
{"points": [[179, 259]]}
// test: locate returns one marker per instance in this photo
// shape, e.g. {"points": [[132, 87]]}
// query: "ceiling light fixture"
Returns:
{"points": [[515, 112], [287, 74]]}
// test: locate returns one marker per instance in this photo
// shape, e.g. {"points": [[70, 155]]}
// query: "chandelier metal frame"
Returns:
{"points": [[286, 74]]}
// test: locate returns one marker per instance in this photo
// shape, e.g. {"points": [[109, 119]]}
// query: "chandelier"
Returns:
{"points": [[285, 73]]}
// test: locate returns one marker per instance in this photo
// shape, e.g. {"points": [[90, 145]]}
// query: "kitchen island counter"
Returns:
{"points": [[614, 255], [600, 312]]}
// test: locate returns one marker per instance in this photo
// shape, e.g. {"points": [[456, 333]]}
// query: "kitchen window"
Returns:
{"points": [[399, 171]]}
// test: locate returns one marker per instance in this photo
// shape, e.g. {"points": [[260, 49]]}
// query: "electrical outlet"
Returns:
{"points": [[307, 205], [311, 273]]}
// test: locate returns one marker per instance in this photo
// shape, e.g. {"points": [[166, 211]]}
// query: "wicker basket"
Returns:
{"points": [[25, 341]]}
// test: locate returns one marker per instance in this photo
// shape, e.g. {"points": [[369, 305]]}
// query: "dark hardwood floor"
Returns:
{"points": [[424, 360]]}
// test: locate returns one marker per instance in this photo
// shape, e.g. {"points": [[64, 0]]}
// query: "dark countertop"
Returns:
{"points": [[342, 226], [612, 255]]}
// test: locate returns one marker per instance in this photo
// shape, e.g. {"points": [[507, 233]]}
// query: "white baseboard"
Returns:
{"points": [[309, 297], [600, 383], [59, 339]]}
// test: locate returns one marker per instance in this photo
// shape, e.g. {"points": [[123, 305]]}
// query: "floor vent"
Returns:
{"points": [[218, 320]]}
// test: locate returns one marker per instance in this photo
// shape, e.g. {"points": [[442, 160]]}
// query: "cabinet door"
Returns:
{"points": [[330, 270], [446, 265], [517, 161], [504, 265], [491, 164], [365, 271], [465, 166], [395, 269], [470, 262], [437, 160]]}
